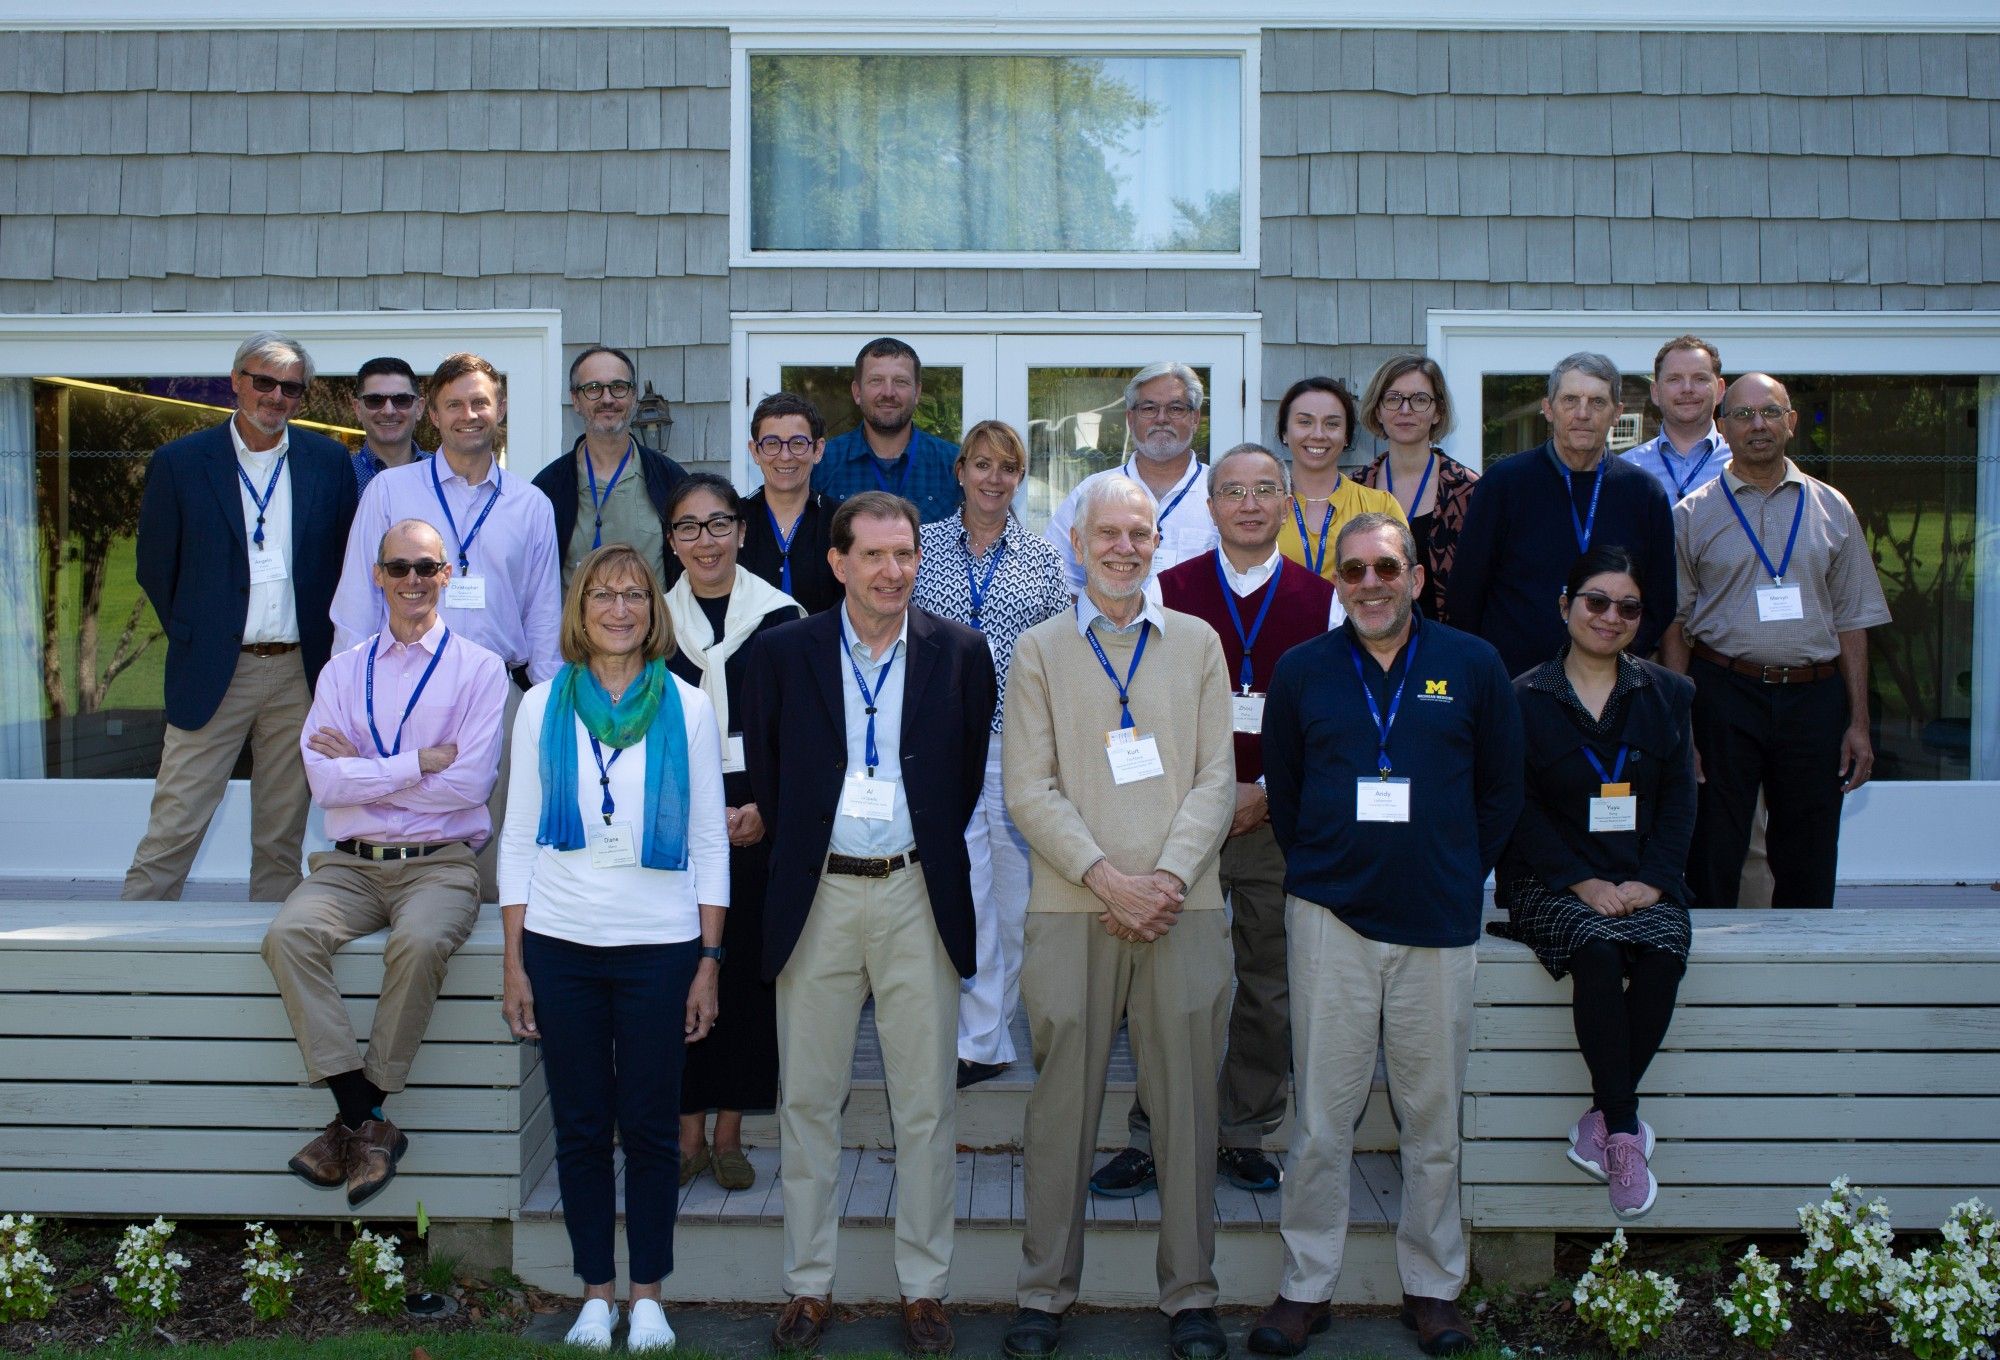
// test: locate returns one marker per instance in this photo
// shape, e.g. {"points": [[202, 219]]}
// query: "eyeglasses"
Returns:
{"points": [[1174, 410], [717, 526], [1354, 571], [601, 598], [1771, 414], [593, 390], [1596, 602], [424, 567], [1419, 402], [375, 401], [799, 445], [265, 383], [1236, 495]]}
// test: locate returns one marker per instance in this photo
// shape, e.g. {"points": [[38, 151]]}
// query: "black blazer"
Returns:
{"points": [[1553, 841], [795, 742], [661, 474], [194, 558]]}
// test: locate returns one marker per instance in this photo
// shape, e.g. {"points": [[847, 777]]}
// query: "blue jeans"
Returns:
{"points": [[612, 1021]]}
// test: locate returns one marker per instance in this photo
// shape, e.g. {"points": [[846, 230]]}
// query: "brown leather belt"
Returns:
{"points": [[869, 866], [370, 850], [1770, 675], [270, 648]]}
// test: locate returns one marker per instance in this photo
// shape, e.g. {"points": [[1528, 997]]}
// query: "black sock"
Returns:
{"points": [[357, 1096]]}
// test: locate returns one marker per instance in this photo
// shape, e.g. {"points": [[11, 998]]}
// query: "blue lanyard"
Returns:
{"points": [[604, 775], [1313, 564], [1193, 474], [465, 543], [1124, 690], [1617, 772], [1389, 482], [597, 504], [408, 708], [1382, 725], [1244, 674], [1798, 513], [1666, 461], [785, 541], [1582, 526], [902, 478], [262, 502], [978, 587], [869, 753]]}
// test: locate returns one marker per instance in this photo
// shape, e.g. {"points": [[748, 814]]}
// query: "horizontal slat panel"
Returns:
{"points": [[453, 1020], [1586, 1207], [225, 1149], [1974, 1165], [1519, 980], [246, 1060], [240, 1195], [1804, 1028], [1820, 1074], [167, 927], [124, 1105], [240, 974], [1747, 1117], [1915, 934]]}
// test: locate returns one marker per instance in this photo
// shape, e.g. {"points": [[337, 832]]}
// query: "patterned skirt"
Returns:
{"points": [[1556, 924]]}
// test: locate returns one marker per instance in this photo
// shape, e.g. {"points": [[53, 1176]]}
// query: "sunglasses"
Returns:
{"points": [[265, 383], [1386, 569], [1596, 602], [397, 568], [375, 401]]}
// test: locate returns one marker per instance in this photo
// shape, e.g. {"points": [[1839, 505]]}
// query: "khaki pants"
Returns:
{"points": [[1350, 993], [1174, 995], [496, 804], [429, 906], [863, 936], [266, 702]]}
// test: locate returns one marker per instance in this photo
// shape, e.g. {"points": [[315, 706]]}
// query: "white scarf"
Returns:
{"points": [[750, 599]]}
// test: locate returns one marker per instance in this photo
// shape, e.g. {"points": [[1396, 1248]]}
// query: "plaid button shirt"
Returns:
{"points": [[926, 477]]}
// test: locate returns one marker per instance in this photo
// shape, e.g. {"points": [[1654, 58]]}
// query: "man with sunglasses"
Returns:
{"points": [[386, 405], [1778, 590], [1393, 757], [402, 747], [240, 533], [611, 488]]}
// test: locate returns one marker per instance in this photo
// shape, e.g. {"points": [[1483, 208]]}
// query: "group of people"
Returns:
{"points": [[732, 766]]}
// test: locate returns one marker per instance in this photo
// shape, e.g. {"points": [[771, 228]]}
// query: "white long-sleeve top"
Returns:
{"points": [[571, 899]]}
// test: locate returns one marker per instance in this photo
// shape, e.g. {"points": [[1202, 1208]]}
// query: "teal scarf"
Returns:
{"points": [[650, 711]]}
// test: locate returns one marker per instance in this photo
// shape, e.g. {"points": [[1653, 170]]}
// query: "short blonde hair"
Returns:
{"points": [[615, 559], [1004, 439]]}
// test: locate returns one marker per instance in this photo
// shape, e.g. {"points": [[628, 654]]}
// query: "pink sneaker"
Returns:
{"points": [[1586, 1144], [1633, 1188]]}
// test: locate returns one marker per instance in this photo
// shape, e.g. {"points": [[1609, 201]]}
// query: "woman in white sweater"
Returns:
{"points": [[614, 881]]}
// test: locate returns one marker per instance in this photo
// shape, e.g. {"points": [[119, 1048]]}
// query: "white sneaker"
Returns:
{"points": [[650, 1331], [593, 1327]]}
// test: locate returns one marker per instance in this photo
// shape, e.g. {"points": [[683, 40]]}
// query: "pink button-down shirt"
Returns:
{"points": [[388, 799]]}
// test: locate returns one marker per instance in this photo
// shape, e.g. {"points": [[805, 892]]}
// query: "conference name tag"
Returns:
{"points": [[1132, 757], [1615, 813], [1381, 800], [871, 800], [732, 754], [613, 846], [1246, 713], [466, 592], [1778, 604], [266, 566]]}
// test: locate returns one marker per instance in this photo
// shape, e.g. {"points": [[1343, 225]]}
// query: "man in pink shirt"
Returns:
{"points": [[401, 749]]}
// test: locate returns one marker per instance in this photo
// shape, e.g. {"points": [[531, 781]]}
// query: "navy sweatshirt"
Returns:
{"points": [[1519, 542], [1457, 739]]}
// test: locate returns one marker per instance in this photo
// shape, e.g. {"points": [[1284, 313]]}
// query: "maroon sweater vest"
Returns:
{"points": [[1297, 615]]}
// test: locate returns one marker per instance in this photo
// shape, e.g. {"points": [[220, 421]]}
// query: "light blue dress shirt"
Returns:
{"points": [[1681, 474], [862, 835]]}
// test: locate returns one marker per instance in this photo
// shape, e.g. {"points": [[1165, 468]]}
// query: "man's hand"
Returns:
{"points": [[434, 759], [1637, 896], [517, 1003], [332, 744], [1253, 809], [1601, 897], [1147, 905], [1857, 758], [746, 825]]}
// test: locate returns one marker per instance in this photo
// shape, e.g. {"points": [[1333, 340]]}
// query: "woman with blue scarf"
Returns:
{"points": [[614, 883]]}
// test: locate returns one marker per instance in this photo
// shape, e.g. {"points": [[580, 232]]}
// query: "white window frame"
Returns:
{"points": [[1243, 43], [1891, 831]]}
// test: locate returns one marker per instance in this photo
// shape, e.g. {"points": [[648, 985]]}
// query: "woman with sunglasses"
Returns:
{"points": [[1592, 879], [1408, 405], [1315, 423], [718, 608]]}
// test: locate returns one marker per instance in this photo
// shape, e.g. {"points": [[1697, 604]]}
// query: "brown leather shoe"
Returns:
{"points": [[802, 1324], [1441, 1329], [926, 1328], [373, 1151], [1286, 1325], [323, 1161]]}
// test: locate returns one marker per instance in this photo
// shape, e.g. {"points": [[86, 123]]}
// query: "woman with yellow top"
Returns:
{"points": [[1315, 421]]}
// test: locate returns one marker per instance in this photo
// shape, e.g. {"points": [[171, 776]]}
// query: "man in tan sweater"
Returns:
{"points": [[1120, 772]]}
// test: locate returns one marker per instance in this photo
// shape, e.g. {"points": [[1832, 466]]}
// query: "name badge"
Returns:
{"points": [[1132, 758], [1381, 800], [466, 592], [613, 846], [732, 754], [872, 800], [1615, 814], [1246, 713], [266, 566], [1777, 604]]}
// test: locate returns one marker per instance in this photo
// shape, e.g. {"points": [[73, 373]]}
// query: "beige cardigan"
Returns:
{"points": [[1058, 780]]}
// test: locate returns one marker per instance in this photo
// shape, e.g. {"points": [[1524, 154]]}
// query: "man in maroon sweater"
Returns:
{"points": [[1261, 606]]}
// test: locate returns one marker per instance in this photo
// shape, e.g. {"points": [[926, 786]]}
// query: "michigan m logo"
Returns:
{"points": [[1434, 687]]}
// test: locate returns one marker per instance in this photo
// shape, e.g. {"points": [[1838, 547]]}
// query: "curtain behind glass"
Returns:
{"points": [[20, 594]]}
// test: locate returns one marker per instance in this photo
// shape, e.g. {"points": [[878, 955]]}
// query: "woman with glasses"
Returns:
{"points": [[1408, 405], [785, 521], [1315, 423], [614, 880], [717, 608], [1592, 879], [982, 568]]}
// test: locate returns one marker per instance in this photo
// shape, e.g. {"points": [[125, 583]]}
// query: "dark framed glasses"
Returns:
{"points": [[1596, 602], [397, 568], [1354, 571], [264, 382], [715, 526], [591, 391], [375, 401]]}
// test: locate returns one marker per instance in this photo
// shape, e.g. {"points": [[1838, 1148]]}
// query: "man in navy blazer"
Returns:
{"points": [[241, 531], [866, 734]]}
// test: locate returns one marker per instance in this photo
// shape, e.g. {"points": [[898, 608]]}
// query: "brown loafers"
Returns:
{"points": [[1286, 1326], [1441, 1329], [926, 1328], [802, 1324], [323, 1161], [373, 1151]]}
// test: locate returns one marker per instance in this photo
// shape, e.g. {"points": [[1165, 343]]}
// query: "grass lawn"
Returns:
{"points": [[380, 1346]]}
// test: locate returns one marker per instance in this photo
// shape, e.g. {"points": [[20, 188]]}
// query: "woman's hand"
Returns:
{"points": [[1601, 897], [704, 1005], [1638, 896], [746, 825], [517, 1002]]}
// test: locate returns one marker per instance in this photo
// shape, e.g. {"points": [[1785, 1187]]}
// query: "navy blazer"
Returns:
{"points": [[559, 482], [194, 558], [795, 743]]}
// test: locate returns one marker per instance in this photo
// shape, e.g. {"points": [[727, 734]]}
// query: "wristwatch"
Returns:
{"points": [[714, 951]]}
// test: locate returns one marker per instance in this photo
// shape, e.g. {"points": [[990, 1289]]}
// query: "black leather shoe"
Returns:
{"points": [[971, 1073], [1126, 1176], [1194, 1334], [1033, 1335], [1248, 1169]]}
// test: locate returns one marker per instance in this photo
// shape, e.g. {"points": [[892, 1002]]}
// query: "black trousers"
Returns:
{"points": [[1619, 1027], [1784, 739]]}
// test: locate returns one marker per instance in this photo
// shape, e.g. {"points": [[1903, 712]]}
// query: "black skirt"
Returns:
{"points": [[1556, 924], [736, 1066]]}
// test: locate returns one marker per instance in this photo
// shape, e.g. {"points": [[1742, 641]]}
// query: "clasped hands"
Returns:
{"points": [[1615, 899], [1139, 908]]}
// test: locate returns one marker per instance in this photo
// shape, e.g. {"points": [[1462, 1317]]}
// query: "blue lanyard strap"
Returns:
{"points": [[1617, 772], [1194, 474], [262, 502], [1244, 672], [604, 775], [785, 542], [1791, 540], [978, 586], [1666, 461], [464, 543], [597, 502], [1389, 481], [870, 755], [903, 477], [1585, 525], [1382, 725], [1124, 690], [408, 708], [1314, 564]]}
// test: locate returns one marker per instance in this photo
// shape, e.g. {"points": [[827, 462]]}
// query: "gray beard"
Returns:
{"points": [[880, 428]]}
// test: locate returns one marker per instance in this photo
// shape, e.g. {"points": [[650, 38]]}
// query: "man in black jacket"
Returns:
{"points": [[866, 737]]}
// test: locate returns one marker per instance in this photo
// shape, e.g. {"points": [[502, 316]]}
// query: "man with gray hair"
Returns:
{"points": [[1163, 404], [241, 530], [1121, 776], [1535, 513]]}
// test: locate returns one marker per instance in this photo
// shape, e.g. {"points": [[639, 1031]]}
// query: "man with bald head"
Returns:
{"points": [[1777, 593], [401, 749]]}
